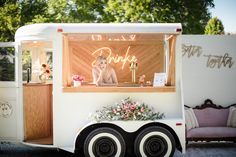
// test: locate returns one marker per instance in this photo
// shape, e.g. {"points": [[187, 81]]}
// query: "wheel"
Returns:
{"points": [[154, 142], [104, 142]]}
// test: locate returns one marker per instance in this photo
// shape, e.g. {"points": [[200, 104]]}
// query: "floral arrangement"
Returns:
{"points": [[45, 72], [127, 110], [78, 78]]}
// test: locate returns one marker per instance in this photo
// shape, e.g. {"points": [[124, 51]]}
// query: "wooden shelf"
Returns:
{"points": [[119, 89]]}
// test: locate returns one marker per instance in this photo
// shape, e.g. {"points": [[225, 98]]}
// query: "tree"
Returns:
{"points": [[68, 11], [9, 20], [59, 11], [214, 26], [192, 14], [7, 64], [31, 10], [75, 11], [92, 11], [16, 13]]}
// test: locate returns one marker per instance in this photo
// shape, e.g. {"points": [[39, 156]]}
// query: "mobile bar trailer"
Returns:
{"points": [[56, 113]]}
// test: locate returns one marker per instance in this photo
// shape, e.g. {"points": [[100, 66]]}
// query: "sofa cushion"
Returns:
{"points": [[190, 119], [211, 117], [231, 122], [212, 132]]}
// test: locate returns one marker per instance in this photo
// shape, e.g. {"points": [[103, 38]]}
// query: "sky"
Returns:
{"points": [[225, 10]]}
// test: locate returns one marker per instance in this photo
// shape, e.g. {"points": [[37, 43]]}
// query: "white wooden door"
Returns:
{"points": [[11, 121]]}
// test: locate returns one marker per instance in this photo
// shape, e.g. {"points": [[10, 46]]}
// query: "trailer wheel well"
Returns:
{"points": [[130, 137], [178, 145]]}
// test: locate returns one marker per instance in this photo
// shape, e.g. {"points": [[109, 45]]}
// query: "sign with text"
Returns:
{"points": [[147, 50], [159, 79], [208, 68]]}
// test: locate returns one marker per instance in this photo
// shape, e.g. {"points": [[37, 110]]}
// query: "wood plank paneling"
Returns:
{"points": [[37, 111], [171, 72], [148, 49]]}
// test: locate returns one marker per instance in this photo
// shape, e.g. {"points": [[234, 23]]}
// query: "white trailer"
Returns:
{"points": [[56, 113]]}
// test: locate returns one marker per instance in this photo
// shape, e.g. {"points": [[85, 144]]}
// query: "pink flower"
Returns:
{"points": [[77, 78], [128, 110], [142, 109], [132, 107]]}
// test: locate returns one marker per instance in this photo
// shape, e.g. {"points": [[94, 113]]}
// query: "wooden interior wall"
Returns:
{"points": [[171, 71], [80, 53], [37, 111]]}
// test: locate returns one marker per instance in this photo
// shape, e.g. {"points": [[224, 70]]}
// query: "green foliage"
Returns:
{"points": [[193, 14], [9, 21], [7, 67], [31, 9], [74, 11], [16, 13], [7, 70], [134, 11], [59, 11], [26, 63], [214, 26], [26, 59], [92, 11]]}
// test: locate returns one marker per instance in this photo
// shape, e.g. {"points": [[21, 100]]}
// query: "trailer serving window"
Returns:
{"points": [[153, 53]]}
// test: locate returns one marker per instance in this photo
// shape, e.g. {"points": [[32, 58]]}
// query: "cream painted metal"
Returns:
{"points": [[11, 112], [71, 110]]}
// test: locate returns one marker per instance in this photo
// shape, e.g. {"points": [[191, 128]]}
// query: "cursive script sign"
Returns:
{"points": [[219, 61], [212, 60], [191, 50], [106, 51]]}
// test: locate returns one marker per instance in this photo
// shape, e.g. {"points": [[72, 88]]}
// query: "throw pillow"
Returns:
{"points": [[190, 119], [232, 117]]}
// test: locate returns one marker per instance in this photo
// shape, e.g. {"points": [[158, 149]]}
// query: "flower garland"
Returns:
{"points": [[127, 110]]}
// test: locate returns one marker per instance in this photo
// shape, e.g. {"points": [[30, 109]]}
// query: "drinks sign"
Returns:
{"points": [[116, 58]]}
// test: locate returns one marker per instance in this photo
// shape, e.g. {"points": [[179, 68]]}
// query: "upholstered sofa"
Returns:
{"points": [[210, 122]]}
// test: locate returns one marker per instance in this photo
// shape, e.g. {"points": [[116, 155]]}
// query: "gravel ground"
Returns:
{"points": [[202, 149]]}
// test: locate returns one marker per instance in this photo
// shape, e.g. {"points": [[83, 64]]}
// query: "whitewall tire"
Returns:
{"points": [[154, 141], [104, 142]]}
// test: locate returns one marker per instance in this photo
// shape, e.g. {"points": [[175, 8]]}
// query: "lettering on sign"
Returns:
{"points": [[213, 61], [191, 50], [115, 58], [128, 37], [219, 61]]}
